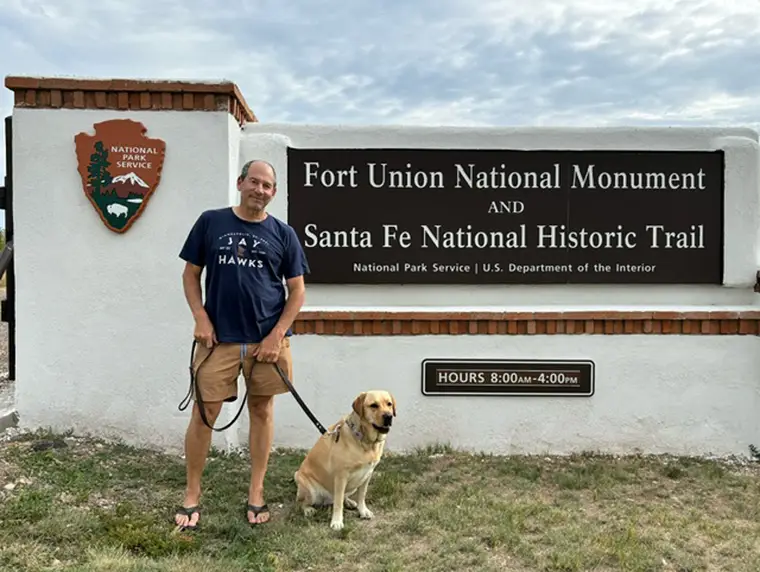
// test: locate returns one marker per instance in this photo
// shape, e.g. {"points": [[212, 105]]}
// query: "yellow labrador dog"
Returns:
{"points": [[341, 463]]}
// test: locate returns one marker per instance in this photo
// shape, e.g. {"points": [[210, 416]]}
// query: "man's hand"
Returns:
{"points": [[204, 331], [269, 349]]}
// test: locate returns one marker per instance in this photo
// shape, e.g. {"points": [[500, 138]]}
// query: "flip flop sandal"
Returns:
{"points": [[256, 510], [188, 511]]}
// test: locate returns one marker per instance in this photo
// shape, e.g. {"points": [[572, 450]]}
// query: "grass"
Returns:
{"points": [[88, 506]]}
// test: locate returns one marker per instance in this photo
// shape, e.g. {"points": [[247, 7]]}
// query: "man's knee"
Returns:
{"points": [[261, 406], [211, 411]]}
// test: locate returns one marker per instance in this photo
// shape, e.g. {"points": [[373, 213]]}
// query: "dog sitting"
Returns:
{"points": [[337, 470]]}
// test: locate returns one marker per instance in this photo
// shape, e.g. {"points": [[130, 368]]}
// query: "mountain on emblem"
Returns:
{"points": [[120, 169], [130, 178]]}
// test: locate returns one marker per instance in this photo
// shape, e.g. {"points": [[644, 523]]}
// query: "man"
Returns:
{"points": [[243, 325]]}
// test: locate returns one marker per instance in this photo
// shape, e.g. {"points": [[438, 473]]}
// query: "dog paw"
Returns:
{"points": [[364, 512], [337, 525], [349, 503], [309, 511]]}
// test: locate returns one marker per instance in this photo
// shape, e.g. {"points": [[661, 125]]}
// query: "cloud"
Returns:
{"points": [[454, 62]]}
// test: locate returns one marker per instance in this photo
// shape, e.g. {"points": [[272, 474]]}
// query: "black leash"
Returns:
{"points": [[194, 386], [297, 397]]}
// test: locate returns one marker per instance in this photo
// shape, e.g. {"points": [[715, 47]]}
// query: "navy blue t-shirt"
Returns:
{"points": [[245, 265]]}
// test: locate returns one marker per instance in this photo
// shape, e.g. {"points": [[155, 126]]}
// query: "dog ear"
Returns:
{"points": [[393, 401], [359, 403]]}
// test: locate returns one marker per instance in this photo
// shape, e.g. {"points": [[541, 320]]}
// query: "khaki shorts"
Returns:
{"points": [[217, 370]]}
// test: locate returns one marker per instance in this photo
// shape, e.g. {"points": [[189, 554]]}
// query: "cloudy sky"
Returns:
{"points": [[425, 62]]}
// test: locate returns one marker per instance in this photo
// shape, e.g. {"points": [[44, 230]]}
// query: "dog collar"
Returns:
{"points": [[357, 433]]}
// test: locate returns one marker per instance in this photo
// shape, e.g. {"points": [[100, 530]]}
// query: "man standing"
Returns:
{"points": [[244, 324]]}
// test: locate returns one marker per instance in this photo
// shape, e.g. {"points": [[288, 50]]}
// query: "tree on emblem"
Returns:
{"points": [[99, 177]]}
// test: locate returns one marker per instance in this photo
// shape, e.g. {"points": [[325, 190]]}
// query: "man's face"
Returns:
{"points": [[258, 188]]}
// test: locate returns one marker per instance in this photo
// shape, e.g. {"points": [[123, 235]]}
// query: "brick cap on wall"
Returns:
{"points": [[692, 321], [129, 94]]}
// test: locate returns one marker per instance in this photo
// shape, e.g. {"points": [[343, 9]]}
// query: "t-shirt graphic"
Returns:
{"points": [[245, 264], [242, 249]]}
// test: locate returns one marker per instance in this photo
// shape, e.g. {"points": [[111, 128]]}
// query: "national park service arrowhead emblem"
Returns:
{"points": [[120, 169]]}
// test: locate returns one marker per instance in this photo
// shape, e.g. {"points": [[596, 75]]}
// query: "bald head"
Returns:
{"points": [[244, 172]]}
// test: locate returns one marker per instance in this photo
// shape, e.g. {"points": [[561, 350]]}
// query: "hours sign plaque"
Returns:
{"points": [[508, 377]]}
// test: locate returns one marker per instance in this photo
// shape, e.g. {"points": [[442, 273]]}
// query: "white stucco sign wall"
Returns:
{"points": [[674, 368], [103, 329]]}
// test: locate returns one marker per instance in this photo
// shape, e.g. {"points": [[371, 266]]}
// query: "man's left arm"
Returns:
{"points": [[269, 349], [294, 268], [293, 305]]}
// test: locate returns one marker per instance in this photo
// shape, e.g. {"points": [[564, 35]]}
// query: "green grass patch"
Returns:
{"points": [[71, 504]]}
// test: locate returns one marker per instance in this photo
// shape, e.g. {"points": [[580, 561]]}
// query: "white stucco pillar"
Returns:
{"points": [[103, 328]]}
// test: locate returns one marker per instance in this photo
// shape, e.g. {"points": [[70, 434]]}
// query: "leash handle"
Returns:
{"points": [[199, 399], [189, 397], [194, 386]]}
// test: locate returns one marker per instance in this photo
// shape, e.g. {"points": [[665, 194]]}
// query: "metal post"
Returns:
{"points": [[8, 307]]}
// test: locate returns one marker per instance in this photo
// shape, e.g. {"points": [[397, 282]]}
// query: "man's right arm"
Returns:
{"points": [[193, 253], [191, 283]]}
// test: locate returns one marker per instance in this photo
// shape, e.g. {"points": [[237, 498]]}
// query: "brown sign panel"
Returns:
{"points": [[120, 168], [475, 216], [508, 377]]}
